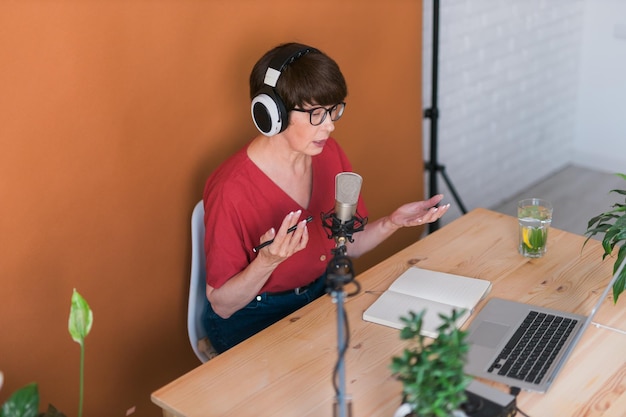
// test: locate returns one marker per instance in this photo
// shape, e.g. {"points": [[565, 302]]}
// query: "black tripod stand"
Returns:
{"points": [[432, 113]]}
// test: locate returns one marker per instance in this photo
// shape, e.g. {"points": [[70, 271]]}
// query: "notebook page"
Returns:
{"points": [[390, 306], [442, 287]]}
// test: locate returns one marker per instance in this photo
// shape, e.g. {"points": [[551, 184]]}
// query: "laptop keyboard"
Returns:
{"points": [[534, 346]]}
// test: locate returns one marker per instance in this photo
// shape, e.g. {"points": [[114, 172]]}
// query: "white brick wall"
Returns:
{"points": [[601, 129], [508, 79]]}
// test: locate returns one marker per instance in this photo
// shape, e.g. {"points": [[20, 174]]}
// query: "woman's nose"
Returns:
{"points": [[328, 124]]}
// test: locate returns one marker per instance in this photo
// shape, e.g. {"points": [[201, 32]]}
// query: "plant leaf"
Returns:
{"points": [[81, 318], [23, 403], [621, 223], [620, 284], [623, 192]]}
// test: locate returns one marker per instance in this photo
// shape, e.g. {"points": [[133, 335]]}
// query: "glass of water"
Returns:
{"points": [[534, 216]]}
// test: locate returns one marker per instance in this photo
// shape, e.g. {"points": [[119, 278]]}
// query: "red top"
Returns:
{"points": [[241, 203]]}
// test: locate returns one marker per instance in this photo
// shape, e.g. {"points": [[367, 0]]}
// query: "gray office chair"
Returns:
{"points": [[197, 289]]}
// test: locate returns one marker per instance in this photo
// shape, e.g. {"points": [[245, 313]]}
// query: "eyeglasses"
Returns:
{"points": [[317, 115]]}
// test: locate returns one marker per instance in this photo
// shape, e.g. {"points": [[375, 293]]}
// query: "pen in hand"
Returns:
{"points": [[269, 242]]}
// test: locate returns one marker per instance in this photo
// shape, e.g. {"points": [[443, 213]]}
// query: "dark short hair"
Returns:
{"points": [[314, 78]]}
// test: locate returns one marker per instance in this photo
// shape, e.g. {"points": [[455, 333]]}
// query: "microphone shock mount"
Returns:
{"points": [[342, 231]]}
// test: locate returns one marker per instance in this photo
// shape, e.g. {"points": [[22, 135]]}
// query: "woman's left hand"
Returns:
{"points": [[419, 212]]}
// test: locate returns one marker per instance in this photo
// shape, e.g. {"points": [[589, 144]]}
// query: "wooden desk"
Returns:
{"points": [[286, 370]]}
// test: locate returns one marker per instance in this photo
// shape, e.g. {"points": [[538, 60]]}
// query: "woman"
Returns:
{"points": [[284, 175]]}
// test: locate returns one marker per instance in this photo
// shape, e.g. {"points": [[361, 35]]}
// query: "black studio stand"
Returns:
{"points": [[339, 273], [432, 113]]}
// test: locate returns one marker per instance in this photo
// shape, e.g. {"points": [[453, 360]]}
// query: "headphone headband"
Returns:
{"points": [[278, 64]]}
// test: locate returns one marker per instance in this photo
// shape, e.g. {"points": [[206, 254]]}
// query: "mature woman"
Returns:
{"points": [[284, 175]]}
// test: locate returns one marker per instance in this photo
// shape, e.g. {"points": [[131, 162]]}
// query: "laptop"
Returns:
{"points": [[522, 345]]}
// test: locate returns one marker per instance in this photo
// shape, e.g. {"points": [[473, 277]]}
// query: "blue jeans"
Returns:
{"points": [[263, 311]]}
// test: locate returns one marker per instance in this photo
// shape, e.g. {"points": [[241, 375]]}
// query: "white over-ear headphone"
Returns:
{"points": [[268, 110]]}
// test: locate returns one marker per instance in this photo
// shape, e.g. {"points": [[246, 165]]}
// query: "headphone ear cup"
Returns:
{"points": [[268, 112]]}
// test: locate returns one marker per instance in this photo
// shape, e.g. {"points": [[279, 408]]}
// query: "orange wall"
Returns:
{"points": [[112, 115]]}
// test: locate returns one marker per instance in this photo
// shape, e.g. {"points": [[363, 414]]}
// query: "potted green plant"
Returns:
{"points": [[612, 224], [432, 376], [25, 401]]}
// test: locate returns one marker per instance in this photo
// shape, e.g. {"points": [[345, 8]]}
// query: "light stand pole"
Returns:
{"points": [[432, 113]]}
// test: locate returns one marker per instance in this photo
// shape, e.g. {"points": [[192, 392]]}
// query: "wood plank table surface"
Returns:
{"points": [[286, 370]]}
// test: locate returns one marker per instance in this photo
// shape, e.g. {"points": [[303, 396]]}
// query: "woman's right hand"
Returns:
{"points": [[285, 244], [244, 286]]}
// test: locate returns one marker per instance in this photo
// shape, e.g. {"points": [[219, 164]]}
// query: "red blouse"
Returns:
{"points": [[241, 203]]}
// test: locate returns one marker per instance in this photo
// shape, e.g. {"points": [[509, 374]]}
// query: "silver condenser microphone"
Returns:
{"points": [[343, 221], [347, 190]]}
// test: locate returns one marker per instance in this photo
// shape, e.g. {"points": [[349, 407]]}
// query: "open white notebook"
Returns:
{"points": [[436, 292]]}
